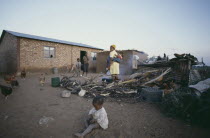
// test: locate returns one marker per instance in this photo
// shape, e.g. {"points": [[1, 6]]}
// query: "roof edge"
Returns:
{"points": [[45, 39], [2, 35]]}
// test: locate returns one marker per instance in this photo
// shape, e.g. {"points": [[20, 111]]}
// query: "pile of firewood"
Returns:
{"points": [[129, 88]]}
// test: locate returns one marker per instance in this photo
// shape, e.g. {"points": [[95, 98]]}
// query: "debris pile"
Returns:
{"points": [[167, 76], [188, 104], [72, 85], [198, 73], [187, 57], [122, 90]]}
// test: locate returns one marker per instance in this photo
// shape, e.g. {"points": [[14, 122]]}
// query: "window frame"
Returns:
{"points": [[49, 52], [94, 56]]}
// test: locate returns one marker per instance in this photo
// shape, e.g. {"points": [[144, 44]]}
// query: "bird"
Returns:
{"points": [[42, 80], [6, 91], [7, 78], [23, 74], [14, 81]]}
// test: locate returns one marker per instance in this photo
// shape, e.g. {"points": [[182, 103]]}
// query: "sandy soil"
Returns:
{"points": [[21, 112]]}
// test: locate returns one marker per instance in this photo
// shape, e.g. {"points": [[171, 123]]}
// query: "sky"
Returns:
{"points": [[153, 26]]}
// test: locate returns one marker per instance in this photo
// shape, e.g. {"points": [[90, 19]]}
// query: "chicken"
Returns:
{"points": [[6, 91], [23, 74], [14, 82], [42, 80], [7, 78], [11, 79]]}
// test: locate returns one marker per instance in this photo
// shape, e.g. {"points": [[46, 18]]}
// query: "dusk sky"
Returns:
{"points": [[152, 26]]}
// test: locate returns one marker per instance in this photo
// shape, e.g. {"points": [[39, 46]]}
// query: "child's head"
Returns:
{"points": [[78, 59], [98, 102]]}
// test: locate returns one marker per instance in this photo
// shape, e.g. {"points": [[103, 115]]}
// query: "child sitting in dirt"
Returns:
{"points": [[97, 117]]}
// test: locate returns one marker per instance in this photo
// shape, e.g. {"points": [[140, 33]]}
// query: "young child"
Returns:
{"points": [[78, 67], [97, 117]]}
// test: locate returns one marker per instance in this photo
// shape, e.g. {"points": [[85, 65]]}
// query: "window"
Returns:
{"points": [[49, 52], [93, 55]]}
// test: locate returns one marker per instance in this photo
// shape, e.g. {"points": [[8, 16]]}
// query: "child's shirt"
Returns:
{"points": [[100, 116], [78, 65]]}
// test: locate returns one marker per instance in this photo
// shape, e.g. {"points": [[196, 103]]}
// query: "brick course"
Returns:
{"points": [[32, 54]]}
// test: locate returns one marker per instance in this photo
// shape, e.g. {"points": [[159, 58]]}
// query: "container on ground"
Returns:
{"points": [[55, 82], [55, 70]]}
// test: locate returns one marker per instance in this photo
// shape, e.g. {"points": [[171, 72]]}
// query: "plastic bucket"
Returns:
{"points": [[55, 70], [55, 82]]}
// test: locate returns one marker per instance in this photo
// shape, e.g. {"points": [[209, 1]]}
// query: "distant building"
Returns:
{"points": [[130, 61], [35, 53]]}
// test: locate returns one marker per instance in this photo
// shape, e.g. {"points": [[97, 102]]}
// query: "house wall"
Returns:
{"points": [[32, 55], [127, 62], [8, 53], [142, 56], [126, 65], [101, 62]]}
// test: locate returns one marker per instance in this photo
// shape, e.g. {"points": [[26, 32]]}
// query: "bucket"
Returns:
{"points": [[55, 82], [55, 70]]}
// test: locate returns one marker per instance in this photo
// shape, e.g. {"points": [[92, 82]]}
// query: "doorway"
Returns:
{"points": [[82, 54]]}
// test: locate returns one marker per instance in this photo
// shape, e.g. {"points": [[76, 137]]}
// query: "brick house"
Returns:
{"points": [[128, 64], [36, 53]]}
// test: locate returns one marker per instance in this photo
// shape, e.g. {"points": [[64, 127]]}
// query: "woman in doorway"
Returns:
{"points": [[114, 66], [85, 64]]}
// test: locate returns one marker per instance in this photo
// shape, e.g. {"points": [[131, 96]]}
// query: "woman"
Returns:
{"points": [[85, 64], [114, 66]]}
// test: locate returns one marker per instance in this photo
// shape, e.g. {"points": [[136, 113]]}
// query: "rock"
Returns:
{"points": [[65, 94], [82, 92], [45, 120]]}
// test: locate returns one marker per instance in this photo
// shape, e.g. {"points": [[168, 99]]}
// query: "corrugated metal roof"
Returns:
{"points": [[49, 39]]}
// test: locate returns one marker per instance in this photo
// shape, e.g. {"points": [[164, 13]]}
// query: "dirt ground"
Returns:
{"points": [[21, 112]]}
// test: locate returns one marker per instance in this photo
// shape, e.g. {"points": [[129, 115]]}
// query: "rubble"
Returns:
{"points": [[159, 78], [121, 90], [152, 94], [202, 85], [186, 104], [82, 92], [167, 77]]}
